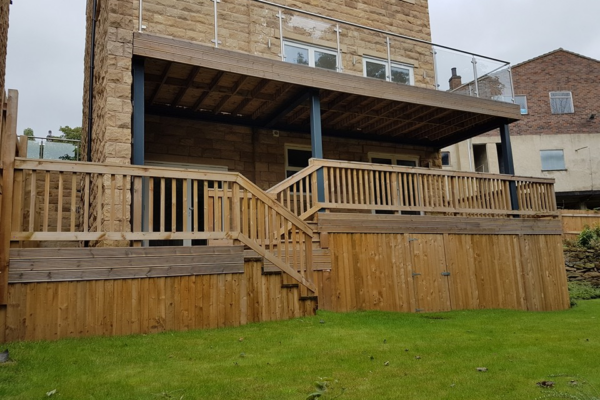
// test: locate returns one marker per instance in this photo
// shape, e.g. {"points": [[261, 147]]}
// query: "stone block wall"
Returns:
{"points": [[112, 79], [583, 265], [258, 154], [252, 27]]}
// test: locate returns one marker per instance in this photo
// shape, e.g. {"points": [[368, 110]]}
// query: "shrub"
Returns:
{"points": [[583, 291], [589, 237]]}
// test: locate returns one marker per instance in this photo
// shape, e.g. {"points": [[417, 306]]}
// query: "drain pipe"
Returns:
{"points": [[91, 83]]}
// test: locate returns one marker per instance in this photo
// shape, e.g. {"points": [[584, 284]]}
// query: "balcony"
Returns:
{"points": [[256, 63]]}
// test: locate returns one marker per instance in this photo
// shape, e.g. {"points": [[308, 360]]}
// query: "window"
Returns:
{"points": [[303, 54], [296, 159], [445, 158], [379, 69], [552, 160], [521, 100], [394, 159], [480, 158], [561, 103]]}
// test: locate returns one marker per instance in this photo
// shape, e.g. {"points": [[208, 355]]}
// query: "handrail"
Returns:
{"points": [[181, 205], [293, 179], [423, 170]]}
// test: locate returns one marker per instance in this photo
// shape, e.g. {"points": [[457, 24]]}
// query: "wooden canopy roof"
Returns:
{"points": [[189, 80]]}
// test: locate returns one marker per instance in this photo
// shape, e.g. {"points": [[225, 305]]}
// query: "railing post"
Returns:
{"points": [[508, 165], [7, 163], [316, 140]]}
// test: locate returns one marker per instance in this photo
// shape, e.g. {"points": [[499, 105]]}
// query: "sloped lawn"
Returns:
{"points": [[363, 355]]}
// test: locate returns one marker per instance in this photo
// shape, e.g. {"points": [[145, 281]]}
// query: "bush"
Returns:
{"points": [[583, 291], [589, 237]]}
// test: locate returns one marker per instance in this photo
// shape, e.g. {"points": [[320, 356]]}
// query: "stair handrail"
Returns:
{"points": [[286, 183]]}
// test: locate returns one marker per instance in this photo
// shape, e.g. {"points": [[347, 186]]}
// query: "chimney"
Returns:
{"points": [[455, 80]]}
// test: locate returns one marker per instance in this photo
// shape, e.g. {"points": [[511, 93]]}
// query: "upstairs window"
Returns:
{"points": [[304, 54], [552, 160], [561, 103], [379, 69]]}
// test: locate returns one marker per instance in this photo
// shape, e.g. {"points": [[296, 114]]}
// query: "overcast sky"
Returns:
{"points": [[46, 45]]}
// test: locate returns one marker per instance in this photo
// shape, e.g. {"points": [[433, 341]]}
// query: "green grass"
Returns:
{"points": [[283, 360]]}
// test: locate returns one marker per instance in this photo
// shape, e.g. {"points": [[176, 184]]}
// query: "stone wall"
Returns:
{"points": [[4, 6], [258, 154], [112, 108], [583, 264]]}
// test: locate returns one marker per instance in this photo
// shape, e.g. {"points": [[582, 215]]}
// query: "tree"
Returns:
{"points": [[71, 134], [28, 132]]}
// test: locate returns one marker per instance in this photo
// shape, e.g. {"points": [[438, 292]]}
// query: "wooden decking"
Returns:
{"points": [[236, 254]]}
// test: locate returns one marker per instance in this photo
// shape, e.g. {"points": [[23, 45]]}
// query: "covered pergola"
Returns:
{"points": [[177, 78]]}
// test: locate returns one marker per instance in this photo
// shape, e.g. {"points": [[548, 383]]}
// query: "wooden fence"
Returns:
{"points": [[361, 186], [574, 221], [430, 264], [50, 310]]}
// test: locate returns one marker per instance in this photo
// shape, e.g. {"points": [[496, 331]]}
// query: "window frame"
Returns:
{"points": [[557, 96], [449, 158], [294, 147], [311, 53], [564, 165], [395, 157], [388, 72]]}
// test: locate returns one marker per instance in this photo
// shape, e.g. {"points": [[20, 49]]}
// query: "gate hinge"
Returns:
{"points": [[419, 309], [445, 273], [415, 274], [412, 239]]}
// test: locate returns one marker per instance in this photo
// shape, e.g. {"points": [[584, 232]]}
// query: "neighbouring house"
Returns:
{"points": [[559, 133], [248, 160]]}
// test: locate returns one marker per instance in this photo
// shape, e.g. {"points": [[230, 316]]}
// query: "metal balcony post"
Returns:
{"points": [[316, 140], [508, 165]]}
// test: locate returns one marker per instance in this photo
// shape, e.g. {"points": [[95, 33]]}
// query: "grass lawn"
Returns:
{"points": [[373, 355]]}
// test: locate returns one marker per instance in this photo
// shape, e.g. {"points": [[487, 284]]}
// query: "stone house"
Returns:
{"points": [[206, 112], [559, 133], [249, 161]]}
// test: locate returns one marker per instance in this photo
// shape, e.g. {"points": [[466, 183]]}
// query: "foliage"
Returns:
{"points": [[374, 355], [583, 291], [71, 134], [28, 132], [589, 237]]}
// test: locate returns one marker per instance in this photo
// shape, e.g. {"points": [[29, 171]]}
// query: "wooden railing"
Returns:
{"points": [[75, 201], [361, 186]]}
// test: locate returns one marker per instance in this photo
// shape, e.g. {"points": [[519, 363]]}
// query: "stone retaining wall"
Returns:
{"points": [[583, 265]]}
